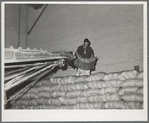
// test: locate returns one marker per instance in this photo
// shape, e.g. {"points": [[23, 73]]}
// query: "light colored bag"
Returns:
{"points": [[132, 97], [87, 106], [128, 90], [121, 75], [132, 83], [140, 75]]}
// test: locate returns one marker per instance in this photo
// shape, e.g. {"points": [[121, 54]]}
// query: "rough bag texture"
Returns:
{"points": [[84, 65], [122, 105], [121, 75], [121, 90], [132, 83], [128, 90], [132, 97], [140, 75]]}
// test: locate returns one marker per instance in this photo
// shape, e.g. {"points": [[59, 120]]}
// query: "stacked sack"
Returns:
{"points": [[121, 90]]}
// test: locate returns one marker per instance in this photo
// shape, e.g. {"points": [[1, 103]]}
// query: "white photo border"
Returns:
{"points": [[76, 115]]}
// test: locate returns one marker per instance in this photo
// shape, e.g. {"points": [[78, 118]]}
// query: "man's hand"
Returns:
{"points": [[74, 56], [92, 56]]}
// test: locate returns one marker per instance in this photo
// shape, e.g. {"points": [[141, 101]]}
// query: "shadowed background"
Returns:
{"points": [[115, 32]]}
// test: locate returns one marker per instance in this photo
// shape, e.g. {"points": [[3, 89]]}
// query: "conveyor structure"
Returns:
{"points": [[25, 67]]}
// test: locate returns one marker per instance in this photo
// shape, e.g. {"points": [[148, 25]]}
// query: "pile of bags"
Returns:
{"points": [[121, 90]]}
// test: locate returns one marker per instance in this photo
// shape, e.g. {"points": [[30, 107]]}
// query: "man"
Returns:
{"points": [[84, 54]]}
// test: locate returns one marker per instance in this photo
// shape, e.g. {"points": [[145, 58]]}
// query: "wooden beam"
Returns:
{"points": [[37, 20]]}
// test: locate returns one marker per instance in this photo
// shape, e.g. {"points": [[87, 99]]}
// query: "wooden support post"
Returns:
{"points": [[37, 20]]}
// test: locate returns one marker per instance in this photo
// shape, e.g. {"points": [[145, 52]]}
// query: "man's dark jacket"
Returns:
{"points": [[89, 51]]}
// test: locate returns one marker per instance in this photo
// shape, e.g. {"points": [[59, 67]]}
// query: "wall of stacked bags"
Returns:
{"points": [[121, 90]]}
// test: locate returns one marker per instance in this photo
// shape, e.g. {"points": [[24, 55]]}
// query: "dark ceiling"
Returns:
{"points": [[36, 6]]}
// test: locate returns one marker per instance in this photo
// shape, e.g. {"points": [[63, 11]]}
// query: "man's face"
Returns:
{"points": [[86, 44]]}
